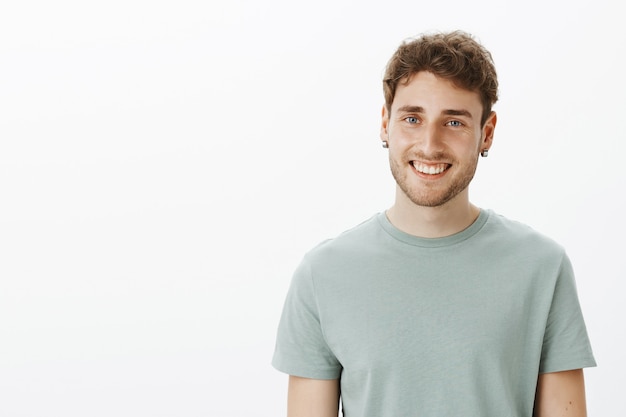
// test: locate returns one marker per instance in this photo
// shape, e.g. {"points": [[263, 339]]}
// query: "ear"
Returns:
{"points": [[384, 132], [488, 131]]}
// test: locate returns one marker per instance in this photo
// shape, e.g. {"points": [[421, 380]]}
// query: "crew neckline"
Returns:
{"points": [[435, 242]]}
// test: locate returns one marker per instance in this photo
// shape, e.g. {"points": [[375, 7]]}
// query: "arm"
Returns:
{"points": [[561, 394], [312, 397]]}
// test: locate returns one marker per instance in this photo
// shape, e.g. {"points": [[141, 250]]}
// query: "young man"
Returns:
{"points": [[435, 307]]}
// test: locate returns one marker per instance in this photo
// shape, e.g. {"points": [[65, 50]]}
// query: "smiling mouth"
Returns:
{"points": [[429, 169]]}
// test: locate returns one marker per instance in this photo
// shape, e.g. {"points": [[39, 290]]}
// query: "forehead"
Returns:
{"points": [[434, 94]]}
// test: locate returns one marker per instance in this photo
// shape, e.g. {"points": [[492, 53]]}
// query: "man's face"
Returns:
{"points": [[435, 138]]}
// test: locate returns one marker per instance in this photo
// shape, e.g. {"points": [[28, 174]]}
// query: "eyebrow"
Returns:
{"points": [[450, 112], [457, 113], [411, 109]]}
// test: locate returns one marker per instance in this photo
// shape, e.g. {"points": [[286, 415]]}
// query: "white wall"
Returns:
{"points": [[164, 166]]}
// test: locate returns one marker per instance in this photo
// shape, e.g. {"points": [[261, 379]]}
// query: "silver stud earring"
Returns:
{"points": [[385, 144], [484, 153]]}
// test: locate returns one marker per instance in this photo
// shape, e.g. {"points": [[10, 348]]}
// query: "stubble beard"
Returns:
{"points": [[427, 196]]}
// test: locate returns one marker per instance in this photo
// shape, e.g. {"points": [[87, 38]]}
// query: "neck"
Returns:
{"points": [[432, 222]]}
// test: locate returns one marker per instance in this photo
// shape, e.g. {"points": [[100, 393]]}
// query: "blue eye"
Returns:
{"points": [[455, 123], [412, 120]]}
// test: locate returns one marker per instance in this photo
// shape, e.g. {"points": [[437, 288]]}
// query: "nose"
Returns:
{"points": [[431, 140]]}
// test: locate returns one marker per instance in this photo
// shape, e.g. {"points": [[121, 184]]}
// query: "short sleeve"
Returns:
{"points": [[566, 343], [301, 348]]}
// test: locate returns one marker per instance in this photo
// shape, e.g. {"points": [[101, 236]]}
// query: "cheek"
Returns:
{"points": [[398, 153], [404, 134]]}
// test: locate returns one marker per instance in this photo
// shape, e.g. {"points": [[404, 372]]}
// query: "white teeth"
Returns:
{"points": [[430, 169]]}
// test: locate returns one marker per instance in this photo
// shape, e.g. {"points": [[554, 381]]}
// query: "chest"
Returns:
{"points": [[389, 319]]}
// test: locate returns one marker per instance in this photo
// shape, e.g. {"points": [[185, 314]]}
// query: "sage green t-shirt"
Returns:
{"points": [[454, 326]]}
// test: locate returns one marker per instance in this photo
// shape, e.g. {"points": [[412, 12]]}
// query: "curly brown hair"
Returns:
{"points": [[455, 56]]}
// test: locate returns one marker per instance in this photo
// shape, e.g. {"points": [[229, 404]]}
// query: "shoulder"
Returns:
{"points": [[357, 240], [521, 237]]}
